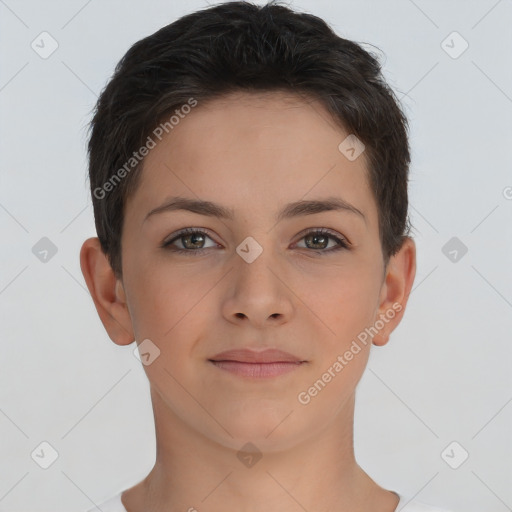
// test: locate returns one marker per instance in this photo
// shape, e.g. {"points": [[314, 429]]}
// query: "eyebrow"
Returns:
{"points": [[291, 210]]}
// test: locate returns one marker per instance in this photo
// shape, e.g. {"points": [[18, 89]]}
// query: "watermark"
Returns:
{"points": [[249, 455], [44, 45], [454, 249], [146, 352], [304, 397], [454, 455], [44, 249], [143, 151], [44, 455], [454, 45], [351, 147]]}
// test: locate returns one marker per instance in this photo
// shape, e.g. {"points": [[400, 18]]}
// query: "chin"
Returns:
{"points": [[270, 429]]}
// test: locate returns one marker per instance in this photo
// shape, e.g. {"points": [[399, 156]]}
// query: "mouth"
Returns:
{"points": [[248, 363]]}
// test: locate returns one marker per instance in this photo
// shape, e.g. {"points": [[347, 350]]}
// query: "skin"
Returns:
{"points": [[252, 153]]}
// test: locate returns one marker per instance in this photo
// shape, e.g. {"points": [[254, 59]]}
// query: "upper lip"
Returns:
{"points": [[245, 355]]}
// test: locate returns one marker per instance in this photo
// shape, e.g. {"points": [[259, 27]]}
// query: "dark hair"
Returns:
{"points": [[241, 47]]}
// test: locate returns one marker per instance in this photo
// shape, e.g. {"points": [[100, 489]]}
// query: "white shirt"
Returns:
{"points": [[405, 505]]}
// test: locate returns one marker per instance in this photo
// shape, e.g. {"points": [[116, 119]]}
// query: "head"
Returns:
{"points": [[237, 113]]}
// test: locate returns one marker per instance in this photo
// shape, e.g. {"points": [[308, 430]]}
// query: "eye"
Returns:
{"points": [[319, 239], [191, 240]]}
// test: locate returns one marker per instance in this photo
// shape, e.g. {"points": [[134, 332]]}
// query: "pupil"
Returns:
{"points": [[195, 238], [318, 237]]}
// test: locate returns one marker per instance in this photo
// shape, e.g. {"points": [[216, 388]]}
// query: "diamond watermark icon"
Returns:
{"points": [[44, 455], [351, 147], [454, 45], [44, 45], [249, 455], [146, 352], [249, 249], [44, 249], [454, 249], [454, 455]]}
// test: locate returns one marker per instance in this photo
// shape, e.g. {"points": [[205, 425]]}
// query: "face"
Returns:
{"points": [[307, 281]]}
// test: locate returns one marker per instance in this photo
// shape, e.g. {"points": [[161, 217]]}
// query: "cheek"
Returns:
{"points": [[163, 295], [342, 302], [343, 344]]}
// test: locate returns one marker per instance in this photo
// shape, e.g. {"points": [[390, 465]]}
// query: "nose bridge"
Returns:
{"points": [[257, 267], [258, 292]]}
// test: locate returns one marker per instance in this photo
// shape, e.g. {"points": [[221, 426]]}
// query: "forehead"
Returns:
{"points": [[248, 150]]}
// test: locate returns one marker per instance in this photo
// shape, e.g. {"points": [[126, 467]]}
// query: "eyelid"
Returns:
{"points": [[188, 231], [324, 231]]}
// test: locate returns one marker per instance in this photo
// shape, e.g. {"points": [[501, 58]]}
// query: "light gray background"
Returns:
{"points": [[445, 375]]}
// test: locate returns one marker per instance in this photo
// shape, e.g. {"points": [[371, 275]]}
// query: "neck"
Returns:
{"points": [[194, 472]]}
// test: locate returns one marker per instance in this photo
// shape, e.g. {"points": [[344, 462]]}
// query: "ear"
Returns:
{"points": [[107, 292], [395, 290]]}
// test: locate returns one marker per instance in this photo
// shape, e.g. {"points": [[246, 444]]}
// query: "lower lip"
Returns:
{"points": [[257, 370]]}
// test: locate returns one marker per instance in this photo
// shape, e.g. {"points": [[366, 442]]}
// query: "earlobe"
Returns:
{"points": [[395, 290], [107, 292]]}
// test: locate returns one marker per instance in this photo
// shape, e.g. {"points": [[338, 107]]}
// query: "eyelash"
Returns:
{"points": [[343, 243]]}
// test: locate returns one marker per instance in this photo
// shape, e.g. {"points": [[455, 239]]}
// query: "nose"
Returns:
{"points": [[258, 293]]}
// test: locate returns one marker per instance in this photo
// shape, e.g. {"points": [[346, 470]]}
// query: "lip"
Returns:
{"points": [[263, 364], [270, 355]]}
